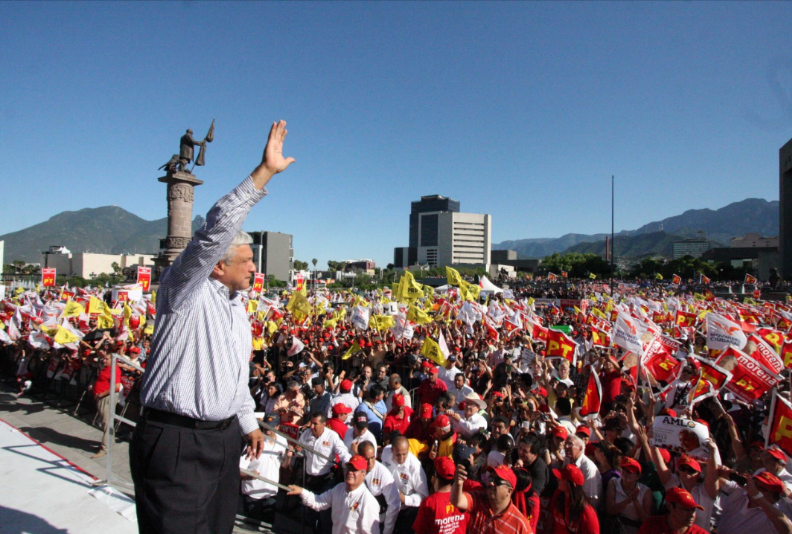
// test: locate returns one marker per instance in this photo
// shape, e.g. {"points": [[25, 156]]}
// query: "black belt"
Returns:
{"points": [[158, 416]]}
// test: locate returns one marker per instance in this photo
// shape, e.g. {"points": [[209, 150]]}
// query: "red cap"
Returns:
{"points": [[570, 473], [690, 462], [398, 400], [583, 429], [682, 497], [358, 462], [665, 455], [504, 472], [134, 350], [669, 412], [769, 482], [445, 467], [560, 432], [541, 391], [627, 380], [497, 394], [426, 411], [432, 370], [341, 408], [346, 385], [631, 465], [776, 453], [442, 421]]}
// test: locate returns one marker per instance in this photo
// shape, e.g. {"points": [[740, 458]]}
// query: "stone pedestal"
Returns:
{"points": [[181, 185]]}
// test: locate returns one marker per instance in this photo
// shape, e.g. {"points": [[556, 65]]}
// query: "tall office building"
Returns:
{"points": [[441, 235], [273, 253], [785, 209]]}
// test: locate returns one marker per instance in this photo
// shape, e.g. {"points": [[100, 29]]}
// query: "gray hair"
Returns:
{"points": [[241, 238]]}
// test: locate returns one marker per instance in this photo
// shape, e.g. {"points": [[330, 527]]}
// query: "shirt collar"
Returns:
{"points": [[223, 290]]}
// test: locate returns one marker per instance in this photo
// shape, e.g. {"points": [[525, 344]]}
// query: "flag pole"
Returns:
{"points": [[611, 240]]}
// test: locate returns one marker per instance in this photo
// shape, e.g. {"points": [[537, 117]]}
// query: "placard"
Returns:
{"points": [[680, 435]]}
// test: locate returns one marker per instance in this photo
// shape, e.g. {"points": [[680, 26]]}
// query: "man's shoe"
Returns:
{"points": [[99, 454]]}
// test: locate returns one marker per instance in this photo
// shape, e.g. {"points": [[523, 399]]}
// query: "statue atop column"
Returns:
{"points": [[180, 161]]}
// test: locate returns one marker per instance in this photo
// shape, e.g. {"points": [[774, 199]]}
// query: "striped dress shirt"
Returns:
{"points": [[202, 341]]}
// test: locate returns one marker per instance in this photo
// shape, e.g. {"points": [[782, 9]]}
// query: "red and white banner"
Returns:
{"points": [[48, 277], [559, 345], [627, 333], [750, 379], [763, 353], [144, 277], [258, 282]]}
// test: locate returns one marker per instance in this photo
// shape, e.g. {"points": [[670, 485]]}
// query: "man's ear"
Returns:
{"points": [[219, 269]]}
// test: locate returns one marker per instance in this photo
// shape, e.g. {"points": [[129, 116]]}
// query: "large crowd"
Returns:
{"points": [[456, 409]]}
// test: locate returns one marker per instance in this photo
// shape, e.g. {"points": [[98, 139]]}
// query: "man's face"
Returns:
{"points": [[459, 381], [432, 378], [498, 490], [681, 516], [563, 370], [770, 464], [400, 452], [394, 385], [525, 454], [572, 449], [470, 410], [353, 478], [371, 459], [498, 429], [381, 373], [367, 372], [318, 389], [236, 274], [317, 426]]}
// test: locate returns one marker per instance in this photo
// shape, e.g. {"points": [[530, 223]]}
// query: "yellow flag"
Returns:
{"points": [[298, 303], [428, 290], [96, 305], [330, 323], [19, 290], [271, 327], [149, 329], [531, 301], [353, 349], [257, 343], [65, 336], [431, 350], [49, 330], [252, 306], [154, 297], [417, 315], [453, 277], [381, 322], [104, 321], [596, 312], [127, 314], [469, 291], [73, 309], [2, 325], [593, 276], [409, 289]]}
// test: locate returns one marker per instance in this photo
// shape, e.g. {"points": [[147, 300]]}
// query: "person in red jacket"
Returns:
{"points": [[570, 511], [398, 418], [101, 391], [421, 427], [338, 422]]}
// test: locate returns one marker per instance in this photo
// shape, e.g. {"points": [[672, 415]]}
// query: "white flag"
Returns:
{"points": [[722, 332], [296, 348]]}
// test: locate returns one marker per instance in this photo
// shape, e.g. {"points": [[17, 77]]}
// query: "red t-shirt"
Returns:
{"points": [[587, 523], [659, 525], [338, 426], [611, 387], [394, 422], [437, 515], [429, 392], [102, 384]]}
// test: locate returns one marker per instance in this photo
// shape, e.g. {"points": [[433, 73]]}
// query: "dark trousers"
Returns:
{"points": [[405, 520], [186, 480]]}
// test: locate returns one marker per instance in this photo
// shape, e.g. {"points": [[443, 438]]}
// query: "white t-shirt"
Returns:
{"points": [[266, 465]]}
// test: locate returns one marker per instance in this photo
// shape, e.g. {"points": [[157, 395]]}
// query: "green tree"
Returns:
{"points": [[300, 265]]}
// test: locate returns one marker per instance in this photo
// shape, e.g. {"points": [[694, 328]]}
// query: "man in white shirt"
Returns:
{"points": [[449, 372], [755, 508], [396, 387], [380, 482], [327, 443], [472, 421], [259, 496], [411, 481], [354, 509], [459, 390], [573, 454], [345, 397], [360, 433]]}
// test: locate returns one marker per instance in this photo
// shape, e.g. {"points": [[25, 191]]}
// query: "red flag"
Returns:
{"points": [[763, 353], [676, 279], [559, 345], [551, 277], [780, 424], [711, 372], [48, 277], [708, 295], [786, 354], [593, 397], [600, 338], [258, 282], [564, 274], [685, 318], [705, 280], [750, 379], [750, 279], [144, 277]]}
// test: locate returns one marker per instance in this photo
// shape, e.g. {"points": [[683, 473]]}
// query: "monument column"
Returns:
{"points": [[180, 194]]}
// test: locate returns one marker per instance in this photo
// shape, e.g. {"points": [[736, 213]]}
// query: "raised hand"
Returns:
{"points": [[272, 162]]}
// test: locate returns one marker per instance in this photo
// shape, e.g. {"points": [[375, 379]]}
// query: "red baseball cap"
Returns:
{"points": [[134, 350], [690, 462], [769, 482], [346, 385], [341, 408], [541, 391], [426, 411], [560, 432], [432, 370], [682, 497], [504, 472], [398, 400], [776, 453], [665, 455], [583, 429], [444, 466], [570, 473], [631, 465], [358, 462], [442, 421]]}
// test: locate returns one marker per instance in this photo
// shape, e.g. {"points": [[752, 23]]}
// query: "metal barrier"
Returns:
{"points": [[112, 418]]}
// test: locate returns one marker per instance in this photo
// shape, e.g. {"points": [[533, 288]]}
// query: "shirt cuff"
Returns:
{"points": [[247, 423], [248, 191]]}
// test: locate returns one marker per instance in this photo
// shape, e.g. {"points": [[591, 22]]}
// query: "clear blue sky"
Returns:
{"points": [[520, 110]]}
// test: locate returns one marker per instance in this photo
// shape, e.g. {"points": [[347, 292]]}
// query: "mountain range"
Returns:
{"points": [[105, 230], [750, 215], [113, 230]]}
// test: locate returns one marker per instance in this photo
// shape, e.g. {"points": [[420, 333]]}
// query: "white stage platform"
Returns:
{"points": [[42, 493]]}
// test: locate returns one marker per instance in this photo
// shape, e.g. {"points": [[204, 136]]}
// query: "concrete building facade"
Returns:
{"points": [[273, 253], [754, 241], [691, 247], [785, 209], [441, 235], [87, 265]]}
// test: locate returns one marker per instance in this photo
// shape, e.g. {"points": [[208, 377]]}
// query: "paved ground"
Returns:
{"points": [[71, 437]]}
